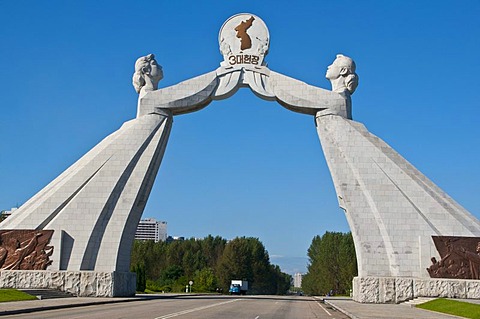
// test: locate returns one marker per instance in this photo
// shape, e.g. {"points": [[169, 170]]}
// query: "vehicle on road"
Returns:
{"points": [[238, 287]]}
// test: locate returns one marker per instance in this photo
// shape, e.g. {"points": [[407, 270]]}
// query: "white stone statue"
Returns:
{"points": [[196, 93], [147, 74], [341, 74]]}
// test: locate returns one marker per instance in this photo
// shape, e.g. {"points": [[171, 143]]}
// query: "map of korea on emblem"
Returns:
{"points": [[244, 39]]}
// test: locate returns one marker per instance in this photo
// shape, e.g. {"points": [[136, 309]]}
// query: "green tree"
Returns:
{"points": [[284, 281], [210, 263], [247, 259], [212, 250], [332, 264], [143, 254], [139, 269], [204, 280], [235, 263], [264, 280], [171, 274]]}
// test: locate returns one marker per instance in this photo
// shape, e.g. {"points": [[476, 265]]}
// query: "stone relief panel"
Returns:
{"points": [[25, 249], [460, 258]]}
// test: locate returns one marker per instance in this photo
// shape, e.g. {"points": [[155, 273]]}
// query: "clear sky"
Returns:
{"points": [[242, 166]]}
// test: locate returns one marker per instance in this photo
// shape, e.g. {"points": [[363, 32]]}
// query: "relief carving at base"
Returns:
{"points": [[25, 249], [460, 258]]}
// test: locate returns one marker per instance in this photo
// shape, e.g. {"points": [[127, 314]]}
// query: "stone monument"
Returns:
{"points": [[397, 216], [93, 208]]}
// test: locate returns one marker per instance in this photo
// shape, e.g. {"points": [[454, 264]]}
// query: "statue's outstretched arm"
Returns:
{"points": [[184, 97], [300, 97]]}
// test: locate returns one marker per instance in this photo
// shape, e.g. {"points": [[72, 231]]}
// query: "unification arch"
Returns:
{"points": [[398, 217]]}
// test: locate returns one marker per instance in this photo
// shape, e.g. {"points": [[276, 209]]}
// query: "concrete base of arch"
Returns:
{"points": [[401, 289], [77, 283]]}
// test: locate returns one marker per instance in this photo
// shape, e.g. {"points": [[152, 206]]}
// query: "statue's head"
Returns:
{"points": [[147, 71], [342, 74]]}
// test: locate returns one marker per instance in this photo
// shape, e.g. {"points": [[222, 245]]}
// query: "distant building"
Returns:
{"points": [[297, 280], [175, 238], [151, 229]]}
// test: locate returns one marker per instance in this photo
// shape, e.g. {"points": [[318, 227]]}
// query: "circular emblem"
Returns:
{"points": [[244, 39]]}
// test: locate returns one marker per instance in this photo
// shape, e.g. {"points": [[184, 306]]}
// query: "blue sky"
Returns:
{"points": [[242, 166]]}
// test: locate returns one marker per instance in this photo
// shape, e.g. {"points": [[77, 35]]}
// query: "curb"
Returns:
{"points": [[351, 315], [64, 306], [89, 303], [345, 312]]}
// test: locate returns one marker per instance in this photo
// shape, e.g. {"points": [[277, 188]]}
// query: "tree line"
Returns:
{"points": [[332, 264], [211, 263]]}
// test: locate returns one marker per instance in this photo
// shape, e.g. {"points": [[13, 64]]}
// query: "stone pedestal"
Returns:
{"points": [[78, 283], [400, 289]]}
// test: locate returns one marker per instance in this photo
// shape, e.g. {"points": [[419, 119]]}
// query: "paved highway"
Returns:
{"points": [[200, 307]]}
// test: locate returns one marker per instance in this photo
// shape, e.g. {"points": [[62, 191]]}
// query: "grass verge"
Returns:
{"points": [[453, 307], [14, 295]]}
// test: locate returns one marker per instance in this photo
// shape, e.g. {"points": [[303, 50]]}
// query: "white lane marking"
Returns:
{"points": [[176, 314], [323, 308], [257, 317]]}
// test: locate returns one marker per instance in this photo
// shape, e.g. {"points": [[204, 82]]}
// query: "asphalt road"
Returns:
{"points": [[200, 307]]}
